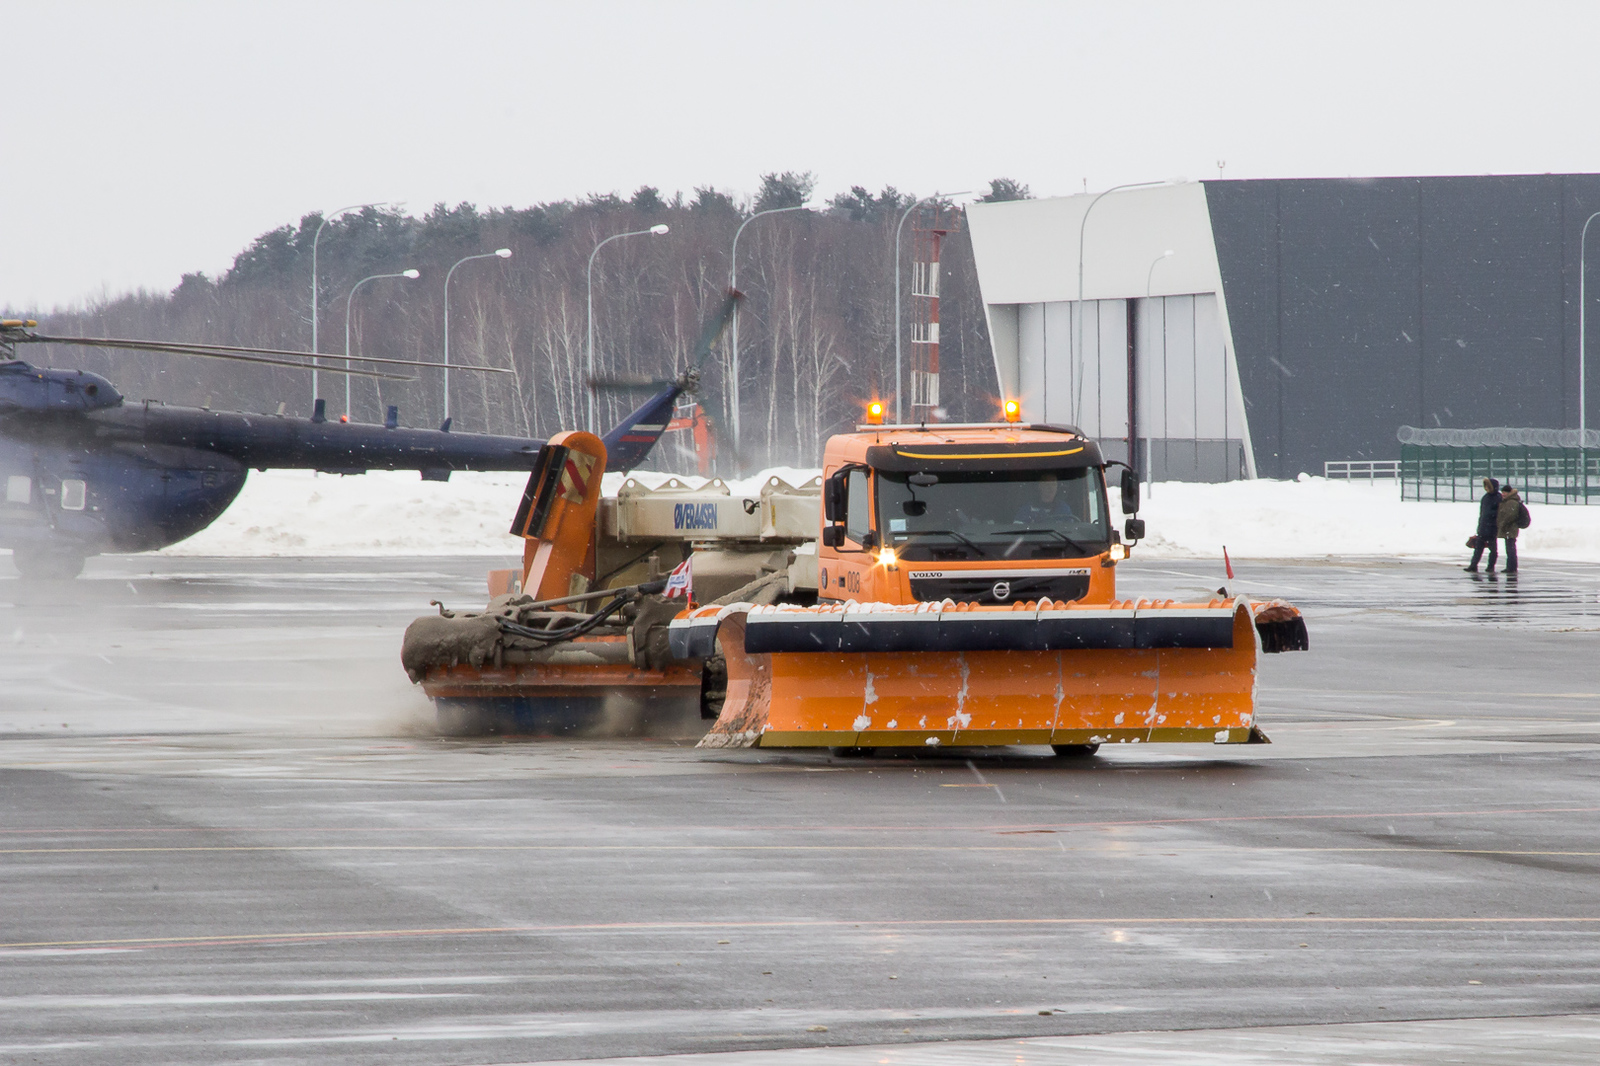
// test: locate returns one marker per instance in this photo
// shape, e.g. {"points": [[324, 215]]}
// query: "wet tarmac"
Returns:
{"points": [[229, 836]]}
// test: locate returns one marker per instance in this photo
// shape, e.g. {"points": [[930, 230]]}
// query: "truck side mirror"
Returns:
{"points": [[869, 539], [1133, 530], [1130, 492], [836, 496], [832, 536]]}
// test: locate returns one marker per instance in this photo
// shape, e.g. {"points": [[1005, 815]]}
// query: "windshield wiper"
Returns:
{"points": [[1075, 545], [944, 533]]}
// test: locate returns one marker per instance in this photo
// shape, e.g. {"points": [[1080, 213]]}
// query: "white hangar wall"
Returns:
{"points": [[1069, 361]]}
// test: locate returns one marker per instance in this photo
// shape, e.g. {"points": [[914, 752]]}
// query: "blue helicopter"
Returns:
{"points": [[85, 473]]}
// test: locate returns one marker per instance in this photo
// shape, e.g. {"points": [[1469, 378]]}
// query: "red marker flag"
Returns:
{"points": [[1226, 562], [680, 582]]}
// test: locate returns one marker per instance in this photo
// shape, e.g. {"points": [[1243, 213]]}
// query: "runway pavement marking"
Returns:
{"points": [[223, 939], [1211, 819], [1120, 848]]}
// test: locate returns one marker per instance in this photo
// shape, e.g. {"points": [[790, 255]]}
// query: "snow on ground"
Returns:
{"points": [[1316, 517], [296, 512]]}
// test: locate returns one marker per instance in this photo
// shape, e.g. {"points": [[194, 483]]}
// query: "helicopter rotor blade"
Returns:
{"points": [[623, 383], [353, 358], [714, 329], [175, 349], [226, 350], [689, 380]]}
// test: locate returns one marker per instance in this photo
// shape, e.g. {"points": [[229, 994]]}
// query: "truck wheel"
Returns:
{"points": [[1075, 751], [713, 687], [852, 753], [47, 564]]}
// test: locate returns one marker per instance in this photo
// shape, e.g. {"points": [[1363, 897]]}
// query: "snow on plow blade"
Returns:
{"points": [[927, 675]]}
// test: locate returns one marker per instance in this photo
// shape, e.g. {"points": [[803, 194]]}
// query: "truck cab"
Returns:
{"points": [[991, 514]]}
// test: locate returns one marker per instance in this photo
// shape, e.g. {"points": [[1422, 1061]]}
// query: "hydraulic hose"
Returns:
{"points": [[621, 598]]}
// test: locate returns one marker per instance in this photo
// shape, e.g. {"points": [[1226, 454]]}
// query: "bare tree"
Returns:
{"points": [[817, 324]]}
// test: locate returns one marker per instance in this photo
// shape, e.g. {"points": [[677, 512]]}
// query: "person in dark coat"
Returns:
{"points": [[1488, 526], [1509, 523]]}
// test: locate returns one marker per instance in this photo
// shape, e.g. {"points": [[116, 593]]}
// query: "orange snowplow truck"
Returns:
{"points": [[966, 595], [939, 585]]}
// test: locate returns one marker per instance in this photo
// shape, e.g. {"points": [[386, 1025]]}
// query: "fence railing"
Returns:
{"points": [[1362, 469], [1541, 474]]}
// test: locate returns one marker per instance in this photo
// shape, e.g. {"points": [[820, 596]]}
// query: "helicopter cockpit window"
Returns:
{"points": [[73, 494], [19, 489]]}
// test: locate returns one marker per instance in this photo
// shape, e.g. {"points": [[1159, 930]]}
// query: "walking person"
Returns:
{"points": [[1488, 526], [1509, 523]]}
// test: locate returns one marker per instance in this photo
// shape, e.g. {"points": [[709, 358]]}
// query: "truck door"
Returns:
{"points": [[844, 569]]}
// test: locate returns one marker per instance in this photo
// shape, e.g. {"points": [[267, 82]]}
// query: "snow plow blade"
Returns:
{"points": [[931, 675]]}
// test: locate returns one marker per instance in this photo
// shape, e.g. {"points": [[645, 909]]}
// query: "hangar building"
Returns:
{"points": [[1294, 321]]}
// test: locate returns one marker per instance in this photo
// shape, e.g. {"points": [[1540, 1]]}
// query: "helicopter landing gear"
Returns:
{"points": [[47, 564]]}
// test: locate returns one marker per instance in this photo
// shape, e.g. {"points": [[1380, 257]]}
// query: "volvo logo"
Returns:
{"points": [[1002, 590]]}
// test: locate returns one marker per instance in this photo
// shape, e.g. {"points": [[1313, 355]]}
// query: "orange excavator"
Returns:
{"points": [[940, 585]]}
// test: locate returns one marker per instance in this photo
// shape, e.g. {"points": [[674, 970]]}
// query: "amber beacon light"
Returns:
{"points": [[1013, 411], [875, 413]]}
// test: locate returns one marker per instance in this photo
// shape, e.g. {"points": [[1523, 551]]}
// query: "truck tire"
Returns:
{"points": [[1075, 751], [713, 686]]}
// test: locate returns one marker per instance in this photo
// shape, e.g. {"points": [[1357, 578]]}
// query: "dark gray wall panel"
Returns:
{"points": [[1244, 224], [1347, 275], [1359, 305], [1492, 301]]}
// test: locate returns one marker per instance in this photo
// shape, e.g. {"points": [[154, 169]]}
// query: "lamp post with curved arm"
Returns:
{"points": [[733, 362], [348, 304], [329, 217], [498, 253], [1077, 389], [1151, 273], [1583, 395], [657, 230], [898, 417], [1133, 375]]}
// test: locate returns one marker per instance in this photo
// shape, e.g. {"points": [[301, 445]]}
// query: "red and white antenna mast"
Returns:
{"points": [[933, 222]]}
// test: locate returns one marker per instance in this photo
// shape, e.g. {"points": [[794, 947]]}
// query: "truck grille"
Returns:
{"points": [[999, 586]]}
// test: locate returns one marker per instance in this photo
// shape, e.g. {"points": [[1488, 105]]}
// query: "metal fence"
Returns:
{"points": [[1362, 469], [1546, 465]]}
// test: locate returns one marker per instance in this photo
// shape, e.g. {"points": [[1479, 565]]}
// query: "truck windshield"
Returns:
{"points": [[1026, 514]]}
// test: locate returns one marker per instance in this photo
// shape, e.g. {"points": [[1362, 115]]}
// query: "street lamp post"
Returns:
{"points": [[1077, 388], [330, 216], [1151, 273], [348, 302], [498, 253], [898, 417], [1583, 395], [733, 365], [658, 229], [1133, 373]]}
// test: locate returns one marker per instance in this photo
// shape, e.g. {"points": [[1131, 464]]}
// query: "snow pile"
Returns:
{"points": [[296, 512], [1318, 517], [300, 512]]}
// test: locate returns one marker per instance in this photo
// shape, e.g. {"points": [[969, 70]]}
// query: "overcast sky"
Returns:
{"points": [[146, 140]]}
